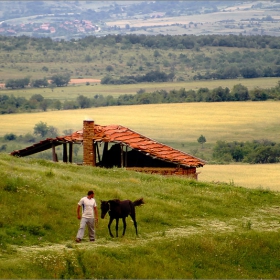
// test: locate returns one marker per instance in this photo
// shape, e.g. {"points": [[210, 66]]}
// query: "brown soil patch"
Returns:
{"points": [[81, 81]]}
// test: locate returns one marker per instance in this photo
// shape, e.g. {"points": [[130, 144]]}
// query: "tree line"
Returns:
{"points": [[152, 76], [160, 41], [58, 80], [238, 93], [257, 151], [228, 72], [12, 104]]}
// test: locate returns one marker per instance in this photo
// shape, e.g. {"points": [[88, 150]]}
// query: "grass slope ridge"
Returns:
{"points": [[187, 229]]}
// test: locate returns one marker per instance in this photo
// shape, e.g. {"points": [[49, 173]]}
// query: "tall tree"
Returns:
{"points": [[60, 79], [41, 129], [240, 93], [201, 140]]}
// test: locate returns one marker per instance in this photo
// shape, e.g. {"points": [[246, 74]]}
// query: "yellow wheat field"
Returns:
{"points": [[264, 176], [185, 122]]}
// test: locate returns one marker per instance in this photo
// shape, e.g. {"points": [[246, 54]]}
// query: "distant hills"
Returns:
{"points": [[78, 19]]}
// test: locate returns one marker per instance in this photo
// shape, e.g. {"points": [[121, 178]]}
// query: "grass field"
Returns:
{"points": [[209, 20], [216, 23], [187, 229]]}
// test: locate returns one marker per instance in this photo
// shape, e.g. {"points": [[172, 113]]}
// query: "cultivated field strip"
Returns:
{"points": [[253, 176], [181, 123]]}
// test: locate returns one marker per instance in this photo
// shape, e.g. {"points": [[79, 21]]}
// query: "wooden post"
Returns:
{"points": [[65, 152], [121, 156], [54, 157], [126, 156], [70, 152]]}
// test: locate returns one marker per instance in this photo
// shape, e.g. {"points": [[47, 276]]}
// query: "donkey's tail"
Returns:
{"points": [[138, 202]]}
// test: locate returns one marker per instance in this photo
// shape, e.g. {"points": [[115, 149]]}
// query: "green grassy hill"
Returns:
{"points": [[97, 58], [187, 229]]}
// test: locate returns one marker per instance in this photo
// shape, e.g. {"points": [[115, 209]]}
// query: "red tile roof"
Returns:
{"points": [[125, 136]]}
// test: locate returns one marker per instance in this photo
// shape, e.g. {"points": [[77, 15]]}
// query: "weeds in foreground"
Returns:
{"points": [[232, 255]]}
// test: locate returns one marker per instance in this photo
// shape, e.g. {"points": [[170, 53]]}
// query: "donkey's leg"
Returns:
{"points": [[117, 227], [134, 222], [124, 226], [109, 227]]}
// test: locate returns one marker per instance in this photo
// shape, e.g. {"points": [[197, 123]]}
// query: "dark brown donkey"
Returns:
{"points": [[120, 209]]}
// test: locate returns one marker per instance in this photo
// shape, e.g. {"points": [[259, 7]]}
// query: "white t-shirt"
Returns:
{"points": [[87, 206]]}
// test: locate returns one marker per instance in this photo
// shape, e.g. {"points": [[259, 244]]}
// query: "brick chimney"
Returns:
{"points": [[88, 144]]}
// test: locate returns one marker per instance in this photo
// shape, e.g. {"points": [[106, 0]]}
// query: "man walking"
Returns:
{"points": [[89, 215]]}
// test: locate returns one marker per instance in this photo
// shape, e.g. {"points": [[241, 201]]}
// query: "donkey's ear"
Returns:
{"points": [[113, 202]]}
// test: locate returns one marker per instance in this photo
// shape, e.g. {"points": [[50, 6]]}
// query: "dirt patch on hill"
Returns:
{"points": [[81, 81]]}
